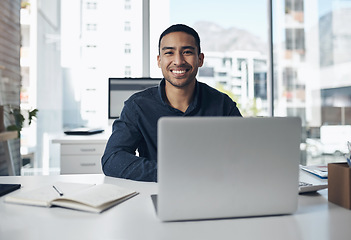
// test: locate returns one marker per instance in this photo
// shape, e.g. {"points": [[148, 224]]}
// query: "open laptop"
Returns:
{"points": [[224, 167]]}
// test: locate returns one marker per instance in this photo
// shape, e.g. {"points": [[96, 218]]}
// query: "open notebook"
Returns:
{"points": [[78, 196]]}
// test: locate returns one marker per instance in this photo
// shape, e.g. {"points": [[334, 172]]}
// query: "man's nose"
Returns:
{"points": [[178, 59]]}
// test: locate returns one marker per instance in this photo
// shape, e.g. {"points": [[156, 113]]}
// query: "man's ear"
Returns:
{"points": [[158, 61], [201, 59]]}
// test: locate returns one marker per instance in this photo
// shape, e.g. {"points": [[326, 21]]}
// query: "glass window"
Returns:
{"points": [[234, 41], [91, 27], [127, 5], [295, 39], [127, 26], [91, 5], [127, 71], [312, 58], [127, 48]]}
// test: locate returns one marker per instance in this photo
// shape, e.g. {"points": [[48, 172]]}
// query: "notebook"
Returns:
{"points": [[320, 171], [78, 196], [224, 167]]}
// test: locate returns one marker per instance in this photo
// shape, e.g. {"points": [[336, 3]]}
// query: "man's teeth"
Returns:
{"points": [[178, 71]]}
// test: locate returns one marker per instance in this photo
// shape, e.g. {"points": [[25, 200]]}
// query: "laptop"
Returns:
{"points": [[225, 167], [83, 131]]}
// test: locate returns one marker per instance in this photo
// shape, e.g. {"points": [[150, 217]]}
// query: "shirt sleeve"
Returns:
{"points": [[119, 159], [235, 111]]}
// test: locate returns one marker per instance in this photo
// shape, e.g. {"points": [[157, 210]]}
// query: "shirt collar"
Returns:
{"points": [[193, 105], [162, 92]]}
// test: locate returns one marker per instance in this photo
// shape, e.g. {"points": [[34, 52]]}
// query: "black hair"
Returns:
{"points": [[181, 28]]}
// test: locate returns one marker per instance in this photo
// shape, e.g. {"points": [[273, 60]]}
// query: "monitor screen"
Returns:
{"points": [[120, 89]]}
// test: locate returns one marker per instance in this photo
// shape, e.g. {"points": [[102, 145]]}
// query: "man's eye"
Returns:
{"points": [[168, 53], [188, 52]]}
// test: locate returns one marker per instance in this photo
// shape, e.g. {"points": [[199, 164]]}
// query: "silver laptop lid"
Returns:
{"points": [[220, 167]]}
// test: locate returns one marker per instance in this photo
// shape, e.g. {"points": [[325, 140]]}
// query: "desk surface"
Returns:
{"points": [[315, 218]]}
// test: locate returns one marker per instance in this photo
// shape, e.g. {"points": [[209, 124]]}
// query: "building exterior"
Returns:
{"points": [[106, 39], [240, 74], [312, 61]]}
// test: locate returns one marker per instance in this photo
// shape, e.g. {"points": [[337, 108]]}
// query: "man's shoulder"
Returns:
{"points": [[220, 103], [211, 91], [148, 93]]}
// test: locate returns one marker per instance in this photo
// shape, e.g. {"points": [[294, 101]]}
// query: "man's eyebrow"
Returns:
{"points": [[168, 48], [188, 47], [184, 47]]}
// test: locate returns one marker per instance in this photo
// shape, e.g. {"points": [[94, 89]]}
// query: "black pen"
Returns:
{"points": [[57, 190]]}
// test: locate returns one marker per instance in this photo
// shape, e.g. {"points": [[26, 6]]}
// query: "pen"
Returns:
{"points": [[57, 190], [348, 159], [348, 156]]}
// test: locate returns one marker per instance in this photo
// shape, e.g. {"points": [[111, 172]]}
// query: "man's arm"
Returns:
{"points": [[119, 159], [235, 111], [125, 165]]}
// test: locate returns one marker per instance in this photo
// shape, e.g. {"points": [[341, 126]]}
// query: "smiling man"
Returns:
{"points": [[178, 94], [179, 59]]}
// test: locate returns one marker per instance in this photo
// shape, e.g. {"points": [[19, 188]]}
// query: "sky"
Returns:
{"points": [[244, 14]]}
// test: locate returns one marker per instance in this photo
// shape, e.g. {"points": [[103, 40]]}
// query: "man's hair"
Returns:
{"points": [[181, 28]]}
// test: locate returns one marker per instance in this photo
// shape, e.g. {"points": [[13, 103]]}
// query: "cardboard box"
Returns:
{"points": [[339, 184]]}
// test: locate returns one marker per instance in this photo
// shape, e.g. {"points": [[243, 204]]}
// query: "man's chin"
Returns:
{"points": [[180, 83]]}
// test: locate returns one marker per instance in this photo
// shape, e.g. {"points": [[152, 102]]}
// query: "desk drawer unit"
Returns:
{"points": [[81, 158]]}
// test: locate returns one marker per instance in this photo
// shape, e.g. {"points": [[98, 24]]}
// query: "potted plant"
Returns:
{"points": [[16, 115]]}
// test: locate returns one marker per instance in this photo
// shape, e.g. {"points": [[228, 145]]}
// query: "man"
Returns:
{"points": [[178, 94]]}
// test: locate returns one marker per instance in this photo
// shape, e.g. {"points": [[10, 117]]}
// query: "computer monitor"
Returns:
{"points": [[120, 89]]}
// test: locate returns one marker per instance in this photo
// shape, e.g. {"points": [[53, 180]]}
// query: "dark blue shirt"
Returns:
{"points": [[136, 129]]}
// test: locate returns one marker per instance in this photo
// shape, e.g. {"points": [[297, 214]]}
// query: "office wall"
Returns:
{"points": [[10, 76]]}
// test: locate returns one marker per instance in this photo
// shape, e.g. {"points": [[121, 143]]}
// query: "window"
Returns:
{"points": [[293, 5], [127, 48], [127, 26], [127, 71], [295, 39], [127, 5], [311, 53], [311, 72], [234, 39], [91, 27], [91, 5]]}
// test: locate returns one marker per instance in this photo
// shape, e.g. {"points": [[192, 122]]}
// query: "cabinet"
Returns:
{"points": [[81, 154]]}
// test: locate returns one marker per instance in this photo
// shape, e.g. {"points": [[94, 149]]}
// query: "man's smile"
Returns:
{"points": [[178, 71]]}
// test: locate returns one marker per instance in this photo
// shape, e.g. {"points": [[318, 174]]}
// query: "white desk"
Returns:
{"points": [[316, 218], [81, 153]]}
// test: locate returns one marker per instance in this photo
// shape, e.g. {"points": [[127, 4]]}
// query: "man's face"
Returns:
{"points": [[179, 59]]}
